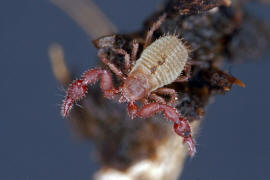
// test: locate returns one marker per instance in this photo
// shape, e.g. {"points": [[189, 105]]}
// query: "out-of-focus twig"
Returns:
{"points": [[60, 71], [89, 17]]}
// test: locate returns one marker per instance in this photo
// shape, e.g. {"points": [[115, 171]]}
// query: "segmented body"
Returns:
{"points": [[162, 61]]}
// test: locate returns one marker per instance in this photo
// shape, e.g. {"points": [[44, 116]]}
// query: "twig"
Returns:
{"points": [[88, 16]]}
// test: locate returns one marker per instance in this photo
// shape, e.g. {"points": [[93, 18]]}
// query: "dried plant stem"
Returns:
{"points": [[168, 164]]}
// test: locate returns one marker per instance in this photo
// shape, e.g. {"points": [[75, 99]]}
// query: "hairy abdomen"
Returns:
{"points": [[162, 61]]}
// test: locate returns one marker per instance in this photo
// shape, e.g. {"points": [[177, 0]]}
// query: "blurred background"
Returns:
{"points": [[37, 143]]}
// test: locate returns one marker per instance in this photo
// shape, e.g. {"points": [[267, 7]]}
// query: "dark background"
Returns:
{"points": [[36, 143]]}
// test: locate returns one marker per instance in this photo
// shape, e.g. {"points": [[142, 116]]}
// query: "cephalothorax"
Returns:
{"points": [[160, 64]]}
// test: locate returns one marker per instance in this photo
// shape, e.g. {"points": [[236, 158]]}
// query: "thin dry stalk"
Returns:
{"points": [[88, 16]]}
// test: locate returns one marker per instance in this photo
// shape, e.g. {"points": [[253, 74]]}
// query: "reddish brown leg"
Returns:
{"points": [[126, 57], [187, 70], [181, 125], [157, 98], [132, 109], [113, 68], [144, 100], [78, 88], [154, 27], [152, 108], [186, 77], [179, 129], [129, 62], [135, 47], [168, 91]]}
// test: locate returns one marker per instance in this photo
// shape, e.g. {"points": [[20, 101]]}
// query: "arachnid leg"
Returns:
{"points": [[135, 47], [144, 100], [187, 70], [154, 27], [181, 125], [157, 98], [168, 91], [126, 57], [152, 108], [132, 110], [186, 77], [129, 62], [183, 129], [113, 68], [78, 88]]}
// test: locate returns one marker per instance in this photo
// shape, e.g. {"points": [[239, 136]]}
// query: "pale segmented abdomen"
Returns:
{"points": [[162, 61]]}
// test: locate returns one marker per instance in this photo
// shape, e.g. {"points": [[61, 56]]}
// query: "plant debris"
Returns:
{"points": [[213, 36]]}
